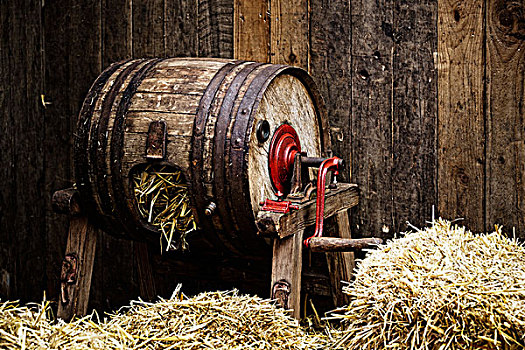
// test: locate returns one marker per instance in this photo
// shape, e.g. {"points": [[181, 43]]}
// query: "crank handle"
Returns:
{"points": [[333, 244], [333, 164]]}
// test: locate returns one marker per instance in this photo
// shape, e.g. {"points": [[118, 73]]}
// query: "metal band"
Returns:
{"points": [[82, 138], [237, 172], [219, 164], [99, 135], [196, 153], [124, 201]]}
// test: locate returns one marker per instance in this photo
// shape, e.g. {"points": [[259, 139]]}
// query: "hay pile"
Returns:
{"points": [[162, 199], [438, 288], [220, 320]]}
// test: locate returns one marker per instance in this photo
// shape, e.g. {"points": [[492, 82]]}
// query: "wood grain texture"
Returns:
{"points": [[251, 30], [81, 243], [289, 41], [117, 36], [341, 264], [180, 28], [286, 100], [284, 225], [414, 118], [337, 244], [7, 157], [148, 290], [461, 144], [331, 68], [215, 28], [505, 115], [372, 112], [23, 225], [115, 258], [69, 75], [287, 263], [148, 28]]}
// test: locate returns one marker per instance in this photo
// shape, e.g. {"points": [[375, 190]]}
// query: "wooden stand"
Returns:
{"points": [[288, 230], [77, 266]]}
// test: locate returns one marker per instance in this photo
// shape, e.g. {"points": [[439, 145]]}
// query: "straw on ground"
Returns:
{"points": [[439, 288]]}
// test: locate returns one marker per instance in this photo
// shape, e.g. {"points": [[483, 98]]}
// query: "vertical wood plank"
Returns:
{"points": [[287, 264], [29, 127], [505, 118], [330, 66], [251, 30], [181, 28], [7, 157], [22, 236], [148, 28], [73, 61], [371, 126], [341, 265], [215, 28], [146, 279], [81, 244], [289, 33], [116, 31], [461, 134], [414, 171]]}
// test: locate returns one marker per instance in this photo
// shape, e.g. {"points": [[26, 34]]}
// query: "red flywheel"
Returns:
{"points": [[284, 146]]}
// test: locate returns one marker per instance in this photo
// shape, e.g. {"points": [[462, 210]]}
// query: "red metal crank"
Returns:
{"points": [[278, 206], [331, 164]]}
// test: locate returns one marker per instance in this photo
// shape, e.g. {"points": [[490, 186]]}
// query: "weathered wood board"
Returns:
{"points": [[505, 115], [466, 56], [461, 126]]}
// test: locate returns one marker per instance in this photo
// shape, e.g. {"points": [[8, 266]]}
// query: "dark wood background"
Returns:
{"points": [[425, 97]]}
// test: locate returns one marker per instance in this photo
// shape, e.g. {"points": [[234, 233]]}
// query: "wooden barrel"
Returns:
{"points": [[212, 109]]}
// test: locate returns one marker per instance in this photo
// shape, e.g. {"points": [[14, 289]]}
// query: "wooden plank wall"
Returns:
{"points": [[374, 63], [425, 101], [481, 87], [425, 98], [57, 49]]}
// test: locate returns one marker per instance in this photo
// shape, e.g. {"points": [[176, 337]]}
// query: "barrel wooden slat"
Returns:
{"points": [[161, 102], [176, 80], [177, 149], [210, 107], [179, 124]]}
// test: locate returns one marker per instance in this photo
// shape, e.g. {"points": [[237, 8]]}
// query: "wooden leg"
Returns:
{"points": [[341, 265], [77, 268], [287, 264], [145, 272]]}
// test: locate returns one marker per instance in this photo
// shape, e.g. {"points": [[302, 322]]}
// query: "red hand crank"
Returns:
{"points": [[330, 164]]}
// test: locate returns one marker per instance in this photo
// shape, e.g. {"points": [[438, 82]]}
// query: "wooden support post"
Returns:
{"points": [[145, 272], [287, 264], [77, 266], [75, 279], [341, 264]]}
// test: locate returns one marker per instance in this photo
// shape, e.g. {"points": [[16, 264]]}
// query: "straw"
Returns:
{"points": [[217, 320], [162, 199], [439, 288]]}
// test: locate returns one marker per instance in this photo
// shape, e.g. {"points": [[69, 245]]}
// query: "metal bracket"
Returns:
{"points": [[156, 142], [68, 275], [278, 206], [280, 292]]}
